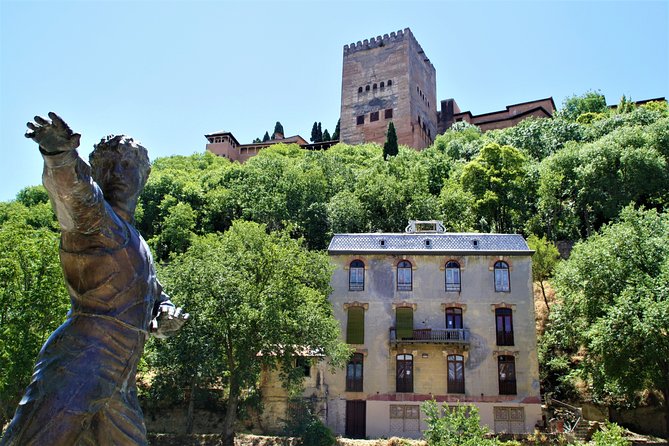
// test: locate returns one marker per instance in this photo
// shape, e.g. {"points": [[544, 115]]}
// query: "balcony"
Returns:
{"points": [[459, 336]]}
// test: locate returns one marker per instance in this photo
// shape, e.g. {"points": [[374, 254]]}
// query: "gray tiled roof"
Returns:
{"points": [[438, 243]]}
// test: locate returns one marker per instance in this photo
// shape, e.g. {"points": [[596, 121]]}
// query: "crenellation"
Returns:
{"points": [[375, 42]]}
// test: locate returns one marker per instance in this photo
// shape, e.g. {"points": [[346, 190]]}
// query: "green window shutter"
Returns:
{"points": [[404, 323], [355, 329]]}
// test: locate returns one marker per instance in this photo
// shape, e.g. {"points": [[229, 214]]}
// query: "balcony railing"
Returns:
{"points": [[431, 336]]}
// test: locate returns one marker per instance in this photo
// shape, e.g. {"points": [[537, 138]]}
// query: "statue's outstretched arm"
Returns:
{"points": [[77, 201]]}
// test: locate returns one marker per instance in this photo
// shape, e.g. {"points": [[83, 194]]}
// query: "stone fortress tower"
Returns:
{"points": [[387, 79]]}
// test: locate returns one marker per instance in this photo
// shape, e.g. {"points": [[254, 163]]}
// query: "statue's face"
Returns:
{"points": [[121, 177]]}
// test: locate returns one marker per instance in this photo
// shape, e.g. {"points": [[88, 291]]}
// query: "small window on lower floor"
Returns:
{"points": [[374, 116], [389, 113], [404, 419], [360, 120], [305, 364]]}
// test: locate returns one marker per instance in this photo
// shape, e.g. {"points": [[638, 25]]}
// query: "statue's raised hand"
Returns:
{"points": [[52, 136]]}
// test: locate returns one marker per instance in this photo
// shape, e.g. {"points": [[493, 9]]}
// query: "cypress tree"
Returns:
{"points": [[266, 137], [278, 128], [335, 135], [314, 132], [326, 135], [390, 147], [319, 133]]}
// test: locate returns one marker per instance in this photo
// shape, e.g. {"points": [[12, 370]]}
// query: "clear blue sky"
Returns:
{"points": [[167, 72]]}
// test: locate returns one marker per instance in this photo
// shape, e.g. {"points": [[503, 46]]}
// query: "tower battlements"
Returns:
{"points": [[386, 39]]}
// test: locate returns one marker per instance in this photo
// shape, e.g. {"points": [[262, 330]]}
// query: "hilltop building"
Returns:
{"points": [[390, 78], [450, 113], [226, 145], [430, 314]]}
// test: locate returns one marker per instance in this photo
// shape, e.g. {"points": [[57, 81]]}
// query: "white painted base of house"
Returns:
{"points": [[380, 425]]}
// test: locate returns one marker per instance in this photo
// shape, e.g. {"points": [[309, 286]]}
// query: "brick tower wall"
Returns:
{"points": [[423, 81], [379, 81]]}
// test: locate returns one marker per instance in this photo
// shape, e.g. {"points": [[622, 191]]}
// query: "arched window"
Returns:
{"points": [[390, 82], [404, 279], [456, 373], [374, 87], [354, 373], [356, 276], [359, 89], [367, 88], [504, 326], [506, 367], [382, 85], [502, 277], [452, 276], [404, 373]]}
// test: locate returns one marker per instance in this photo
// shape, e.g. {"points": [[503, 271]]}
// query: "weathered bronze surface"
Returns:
{"points": [[83, 386]]}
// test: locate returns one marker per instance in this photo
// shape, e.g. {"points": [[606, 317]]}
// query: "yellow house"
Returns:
{"points": [[430, 314]]}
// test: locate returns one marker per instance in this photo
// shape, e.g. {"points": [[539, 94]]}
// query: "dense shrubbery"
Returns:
{"points": [[454, 426]]}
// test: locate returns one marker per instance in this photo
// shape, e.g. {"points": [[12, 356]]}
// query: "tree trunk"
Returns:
{"points": [[543, 292], [665, 392], [231, 413], [191, 405]]}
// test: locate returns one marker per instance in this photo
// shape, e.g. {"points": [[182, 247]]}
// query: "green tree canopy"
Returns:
{"points": [[589, 102], [544, 261], [614, 307], [33, 303], [261, 300], [496, 178]]}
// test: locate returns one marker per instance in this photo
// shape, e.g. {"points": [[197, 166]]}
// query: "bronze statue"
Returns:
{"points": [[83, 387]]}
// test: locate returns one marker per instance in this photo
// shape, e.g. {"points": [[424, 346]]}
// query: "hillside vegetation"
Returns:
{"points": [[593, 176]]}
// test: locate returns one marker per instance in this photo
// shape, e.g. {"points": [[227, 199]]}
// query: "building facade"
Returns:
{"points": [[226, 145], [450, 113], [433, 315]]}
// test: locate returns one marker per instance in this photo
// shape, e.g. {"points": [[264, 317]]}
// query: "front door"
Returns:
{"points": [[356, 413]]}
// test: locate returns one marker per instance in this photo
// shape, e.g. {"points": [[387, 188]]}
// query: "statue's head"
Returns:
{"points": [[120, 167]]}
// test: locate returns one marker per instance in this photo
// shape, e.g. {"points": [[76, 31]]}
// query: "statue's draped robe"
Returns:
{"points": [[83, 387]]}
